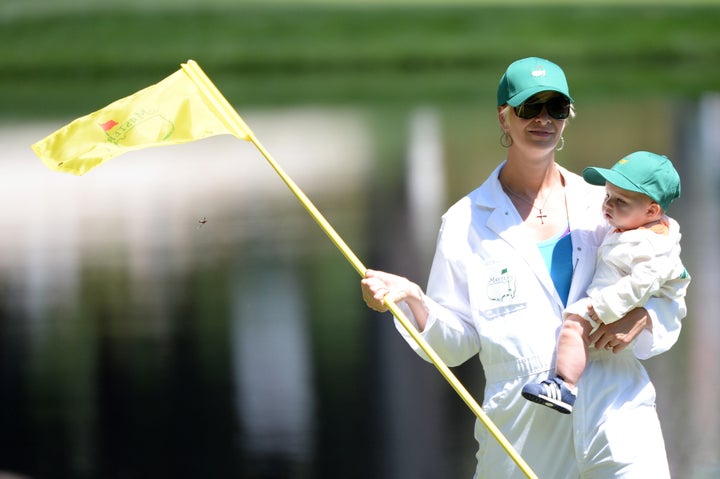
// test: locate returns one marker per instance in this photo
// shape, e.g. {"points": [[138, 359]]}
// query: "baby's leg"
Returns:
{"points": [[572, 349]]}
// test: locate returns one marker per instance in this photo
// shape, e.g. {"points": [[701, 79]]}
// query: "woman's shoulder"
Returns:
{"points": [[576, 181], [460, 217], [465, 210], [581, 192], [459, 213], [486, 195], [584, 206]]}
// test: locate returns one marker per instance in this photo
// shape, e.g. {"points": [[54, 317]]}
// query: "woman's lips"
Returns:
{"points": [[544, 133]]}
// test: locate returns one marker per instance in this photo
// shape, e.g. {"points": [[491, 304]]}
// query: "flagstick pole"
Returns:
{"points": [[240, 128]]}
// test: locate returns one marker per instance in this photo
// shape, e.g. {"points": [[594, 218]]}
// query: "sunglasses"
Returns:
{"points": [[557, 107]]}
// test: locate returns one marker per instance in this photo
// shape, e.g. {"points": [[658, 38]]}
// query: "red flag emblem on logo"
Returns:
{"points": [[108, 125]]}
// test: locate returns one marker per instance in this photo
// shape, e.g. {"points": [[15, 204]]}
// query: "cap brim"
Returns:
{"points": [[521, 97], [599, 176]]}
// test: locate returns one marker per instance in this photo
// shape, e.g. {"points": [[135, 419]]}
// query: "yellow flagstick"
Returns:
{"points": [[239, 127]]}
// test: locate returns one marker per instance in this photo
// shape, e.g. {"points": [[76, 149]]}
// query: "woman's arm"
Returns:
{"points": [[618, 335], [654, 328]]}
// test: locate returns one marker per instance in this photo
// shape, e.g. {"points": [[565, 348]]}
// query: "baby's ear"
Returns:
{"points": [[654, 210]]}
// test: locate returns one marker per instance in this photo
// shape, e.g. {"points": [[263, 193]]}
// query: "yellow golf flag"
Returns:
{"points": [[181, 108]]}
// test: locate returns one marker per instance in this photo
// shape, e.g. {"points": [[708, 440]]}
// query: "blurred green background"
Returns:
{"points": [[66, 57], [137, 342]]}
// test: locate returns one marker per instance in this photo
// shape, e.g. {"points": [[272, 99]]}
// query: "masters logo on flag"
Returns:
{"points": [[121, 133], [183, 107]]}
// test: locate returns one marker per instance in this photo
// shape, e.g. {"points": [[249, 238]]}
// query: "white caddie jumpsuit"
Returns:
{"points": [[490, 294]]}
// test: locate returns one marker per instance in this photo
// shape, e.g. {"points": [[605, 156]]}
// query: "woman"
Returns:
{"points": [[510, 256]]}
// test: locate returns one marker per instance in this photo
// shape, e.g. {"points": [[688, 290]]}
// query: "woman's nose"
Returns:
{"points": [[543, 116]]}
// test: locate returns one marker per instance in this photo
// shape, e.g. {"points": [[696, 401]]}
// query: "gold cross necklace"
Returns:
{"points": [[540, 214]]}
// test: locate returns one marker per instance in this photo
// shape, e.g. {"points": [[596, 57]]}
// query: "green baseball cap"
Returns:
{"points": [[643, 172], [524, 78]]}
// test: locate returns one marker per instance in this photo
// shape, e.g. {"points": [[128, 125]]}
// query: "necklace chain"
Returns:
{"points": [[540, 214]]}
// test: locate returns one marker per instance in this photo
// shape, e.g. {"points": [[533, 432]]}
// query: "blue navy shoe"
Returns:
{"points": [[552, 393]]}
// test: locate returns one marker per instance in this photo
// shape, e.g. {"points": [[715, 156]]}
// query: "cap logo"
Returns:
{"points": [[540, 72], [623, 161]]}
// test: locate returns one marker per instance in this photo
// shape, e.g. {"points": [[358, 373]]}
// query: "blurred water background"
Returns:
{"points": [[176, 312]]}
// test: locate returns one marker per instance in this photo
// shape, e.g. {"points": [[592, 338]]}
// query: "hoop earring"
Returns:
{"points": [[562, 144], [506, 140]]}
